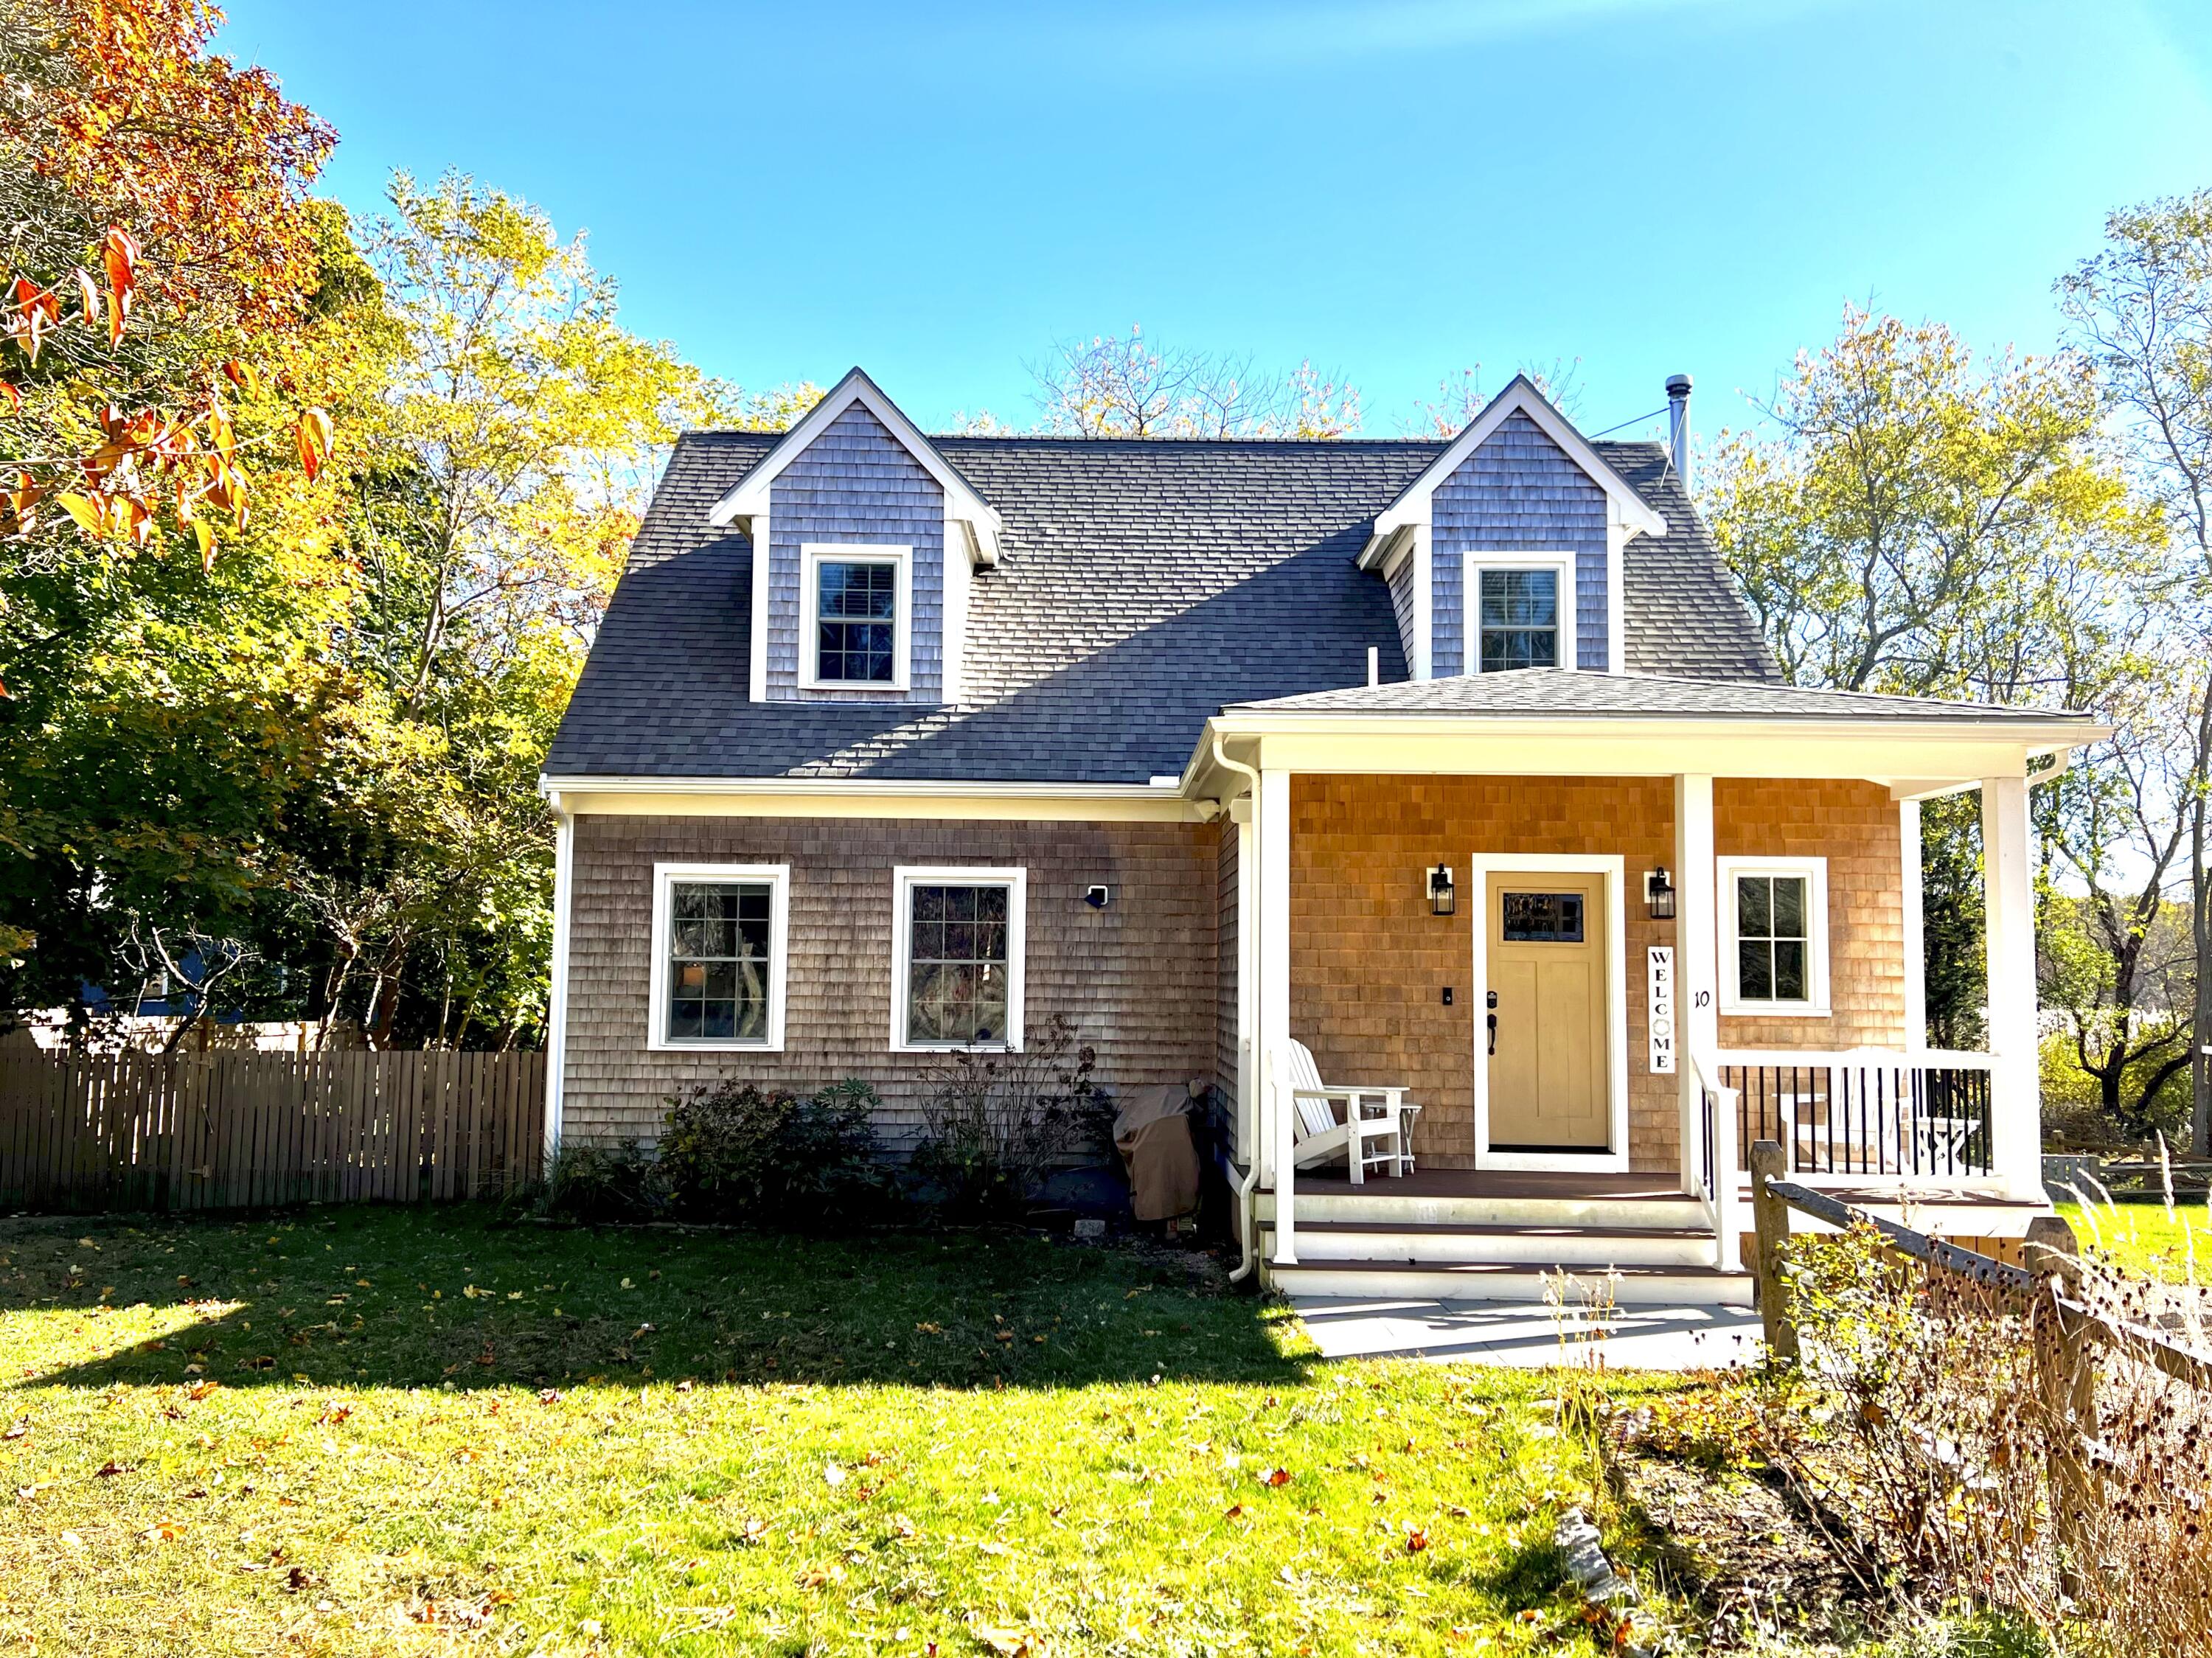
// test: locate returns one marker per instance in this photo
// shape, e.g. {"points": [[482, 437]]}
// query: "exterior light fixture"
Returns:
{"points": [[1443, 898], [1659, 893]]}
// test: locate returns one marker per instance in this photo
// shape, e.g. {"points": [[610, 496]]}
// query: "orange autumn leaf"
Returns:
{"points": [[120, 252], [314, 439], [88, 296], [14, 398], [90, 513]]}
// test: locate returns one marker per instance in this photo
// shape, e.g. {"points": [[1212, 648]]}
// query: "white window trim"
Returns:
{"points": [[907, 877], [812, 556], [665, 877], [1816, 872], [1484, 871], [1472, 563]]}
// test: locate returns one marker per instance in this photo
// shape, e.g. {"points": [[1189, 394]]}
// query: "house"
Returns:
{"points": [[1458, 762]]}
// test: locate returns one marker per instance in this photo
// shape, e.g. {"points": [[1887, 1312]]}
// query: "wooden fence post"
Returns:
{"points": [[1770, 1219], [2066, 1384]]}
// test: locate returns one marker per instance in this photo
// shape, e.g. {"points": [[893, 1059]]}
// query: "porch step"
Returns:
{"points": [[1514, 1281], [1549, 1244], [1663, 1210]]}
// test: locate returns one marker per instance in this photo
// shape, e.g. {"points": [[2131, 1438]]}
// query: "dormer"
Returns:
{"points": [[1506, 552], [865, 540]]}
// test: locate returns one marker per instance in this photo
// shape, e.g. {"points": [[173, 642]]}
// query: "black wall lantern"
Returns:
{"points": [[1443, 898], [1659, 893]]}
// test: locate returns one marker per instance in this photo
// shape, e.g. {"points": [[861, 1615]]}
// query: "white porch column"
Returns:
{"points": [[2008, 902], [1272, 835], [1697, 972], [1911, 892]]}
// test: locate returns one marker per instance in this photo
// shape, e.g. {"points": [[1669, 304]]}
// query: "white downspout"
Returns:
{"points": [[1248, 1229]]}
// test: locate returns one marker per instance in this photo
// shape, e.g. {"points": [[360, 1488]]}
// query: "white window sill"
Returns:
{"points": [[710, 1045], [956, 1048], [1775, 1011]]}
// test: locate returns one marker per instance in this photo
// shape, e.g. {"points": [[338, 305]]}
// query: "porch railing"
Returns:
{"points": [[1868, 1112], [1716, 1124]]}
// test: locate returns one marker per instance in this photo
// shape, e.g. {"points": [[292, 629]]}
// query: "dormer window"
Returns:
{"points": [[857, 615], [1517, 615]]}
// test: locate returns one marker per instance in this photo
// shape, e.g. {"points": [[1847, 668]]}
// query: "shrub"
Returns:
{"points": [[775, 1161], [589, 1182], [994, 1124]]}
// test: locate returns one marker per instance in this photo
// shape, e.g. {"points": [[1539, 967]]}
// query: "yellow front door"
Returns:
{"points": [[1545, 1026]]}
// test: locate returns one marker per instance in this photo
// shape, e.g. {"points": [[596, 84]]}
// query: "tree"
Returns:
{"points": [[493, 489], [2141, 309], [163, 260], [1111, 387], [1930, 524]]}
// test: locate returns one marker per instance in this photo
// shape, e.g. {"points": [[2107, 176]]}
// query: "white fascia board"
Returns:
{"points": [[751, 496], [1522, 396], [1449, 745], [1383, 547]]}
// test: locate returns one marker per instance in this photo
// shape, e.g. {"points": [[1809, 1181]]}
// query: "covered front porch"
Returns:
{"points": [[1602, 955]]}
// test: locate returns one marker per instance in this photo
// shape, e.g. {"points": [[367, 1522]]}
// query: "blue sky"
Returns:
{"points": [[1397, 190]]}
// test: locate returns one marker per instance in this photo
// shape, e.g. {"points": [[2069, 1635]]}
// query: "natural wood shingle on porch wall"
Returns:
{"points": [[1369, 960]]}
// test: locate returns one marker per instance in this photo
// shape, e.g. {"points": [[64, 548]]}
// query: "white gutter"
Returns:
{"points": [[1242, 1190]]}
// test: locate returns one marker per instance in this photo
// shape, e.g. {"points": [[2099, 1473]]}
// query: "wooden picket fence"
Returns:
{"points": [[230, 1131]]}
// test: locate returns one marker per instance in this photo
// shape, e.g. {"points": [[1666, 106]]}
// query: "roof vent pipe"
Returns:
{"points": [[1678, 425]]}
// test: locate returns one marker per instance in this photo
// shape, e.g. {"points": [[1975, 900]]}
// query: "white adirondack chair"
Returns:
{"points": [[1369, 1127]]}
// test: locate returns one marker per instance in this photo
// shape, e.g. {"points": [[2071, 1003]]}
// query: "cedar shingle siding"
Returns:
{"points": [[855, 484], [1367, 960], [1518, 492], [1139, 977]]}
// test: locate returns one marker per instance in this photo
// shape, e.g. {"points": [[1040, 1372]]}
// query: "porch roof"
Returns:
{"points": [[1553, 693]]}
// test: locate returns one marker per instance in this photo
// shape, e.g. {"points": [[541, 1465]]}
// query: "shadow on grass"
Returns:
{"points": [[369, 1296]]}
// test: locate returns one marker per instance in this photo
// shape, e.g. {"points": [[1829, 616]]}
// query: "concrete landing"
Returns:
{"points": [[1524, 1337]]}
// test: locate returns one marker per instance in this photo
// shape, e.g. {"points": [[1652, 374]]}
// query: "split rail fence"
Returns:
{"points": [[227, 1131]]}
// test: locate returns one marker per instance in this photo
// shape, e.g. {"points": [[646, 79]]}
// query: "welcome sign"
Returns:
{"points": [[1660, 972]]}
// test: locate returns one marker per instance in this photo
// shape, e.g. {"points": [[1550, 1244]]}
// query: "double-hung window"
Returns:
{"points": [[855, 617], [958, 957], [719, 950], [1517, 613], [1774, 935]]}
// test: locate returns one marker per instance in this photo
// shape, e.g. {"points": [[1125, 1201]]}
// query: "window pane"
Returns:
{"points": [[1790, 971], [1754, 907], [1790, 907], [1754, 972], [718, 959], [957, 946], [1520, 599], [857, 638], [1541, 918], [1518, 617]]}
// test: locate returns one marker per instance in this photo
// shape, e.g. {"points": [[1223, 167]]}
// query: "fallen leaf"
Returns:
{"points": [[109, 1469], [1416, 1540], [1006, 1643], [18, 1431], [1232, 1511], [1281, 1476], [164, 1531]]}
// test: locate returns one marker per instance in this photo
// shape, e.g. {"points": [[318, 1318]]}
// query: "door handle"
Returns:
{"points": [[1493, 1036]]}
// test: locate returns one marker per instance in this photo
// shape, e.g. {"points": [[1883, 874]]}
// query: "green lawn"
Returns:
{"points": [[2143, 1238], [358, 1431]]}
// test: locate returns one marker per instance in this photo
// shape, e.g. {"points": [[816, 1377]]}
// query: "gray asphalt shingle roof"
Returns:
{"points": [[1143, 586], [1549, 693]]}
